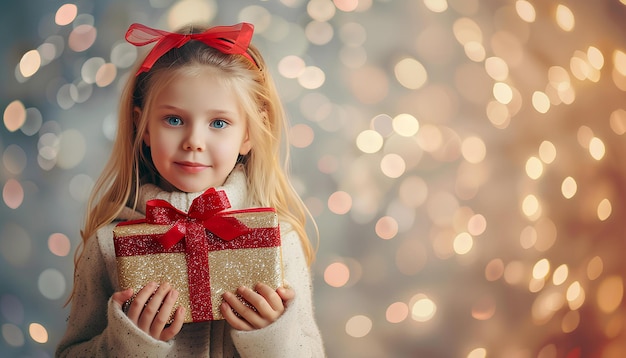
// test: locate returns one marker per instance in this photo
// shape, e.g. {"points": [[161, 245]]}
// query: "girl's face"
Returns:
{"points": [[196, 129]]}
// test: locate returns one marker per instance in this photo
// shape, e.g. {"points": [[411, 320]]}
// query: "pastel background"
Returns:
{"points": [[461, 158]]}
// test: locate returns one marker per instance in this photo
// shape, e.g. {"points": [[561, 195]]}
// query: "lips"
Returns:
{"points": [[191, 167]]}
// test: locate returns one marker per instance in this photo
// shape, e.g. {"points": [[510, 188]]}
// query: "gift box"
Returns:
{"points": [[202, 253]]}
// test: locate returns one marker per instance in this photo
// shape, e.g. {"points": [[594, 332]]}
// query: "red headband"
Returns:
{"points": [[233, 39]]}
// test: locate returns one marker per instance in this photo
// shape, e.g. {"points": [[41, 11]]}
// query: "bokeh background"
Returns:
{"points": [[461, 158]]}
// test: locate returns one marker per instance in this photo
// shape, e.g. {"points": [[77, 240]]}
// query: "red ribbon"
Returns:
{"points": [[233, 39], [204, 213]]}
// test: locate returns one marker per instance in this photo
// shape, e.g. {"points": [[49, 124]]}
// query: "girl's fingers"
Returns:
{"points": [[140, 300], [270, 296], [231, 317], [163, 314], [286, 294], [152, 307], [255, 309], [122, 297], [176, 325]]}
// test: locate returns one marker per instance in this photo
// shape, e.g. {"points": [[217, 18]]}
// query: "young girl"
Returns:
{"points": [[201, 112]]}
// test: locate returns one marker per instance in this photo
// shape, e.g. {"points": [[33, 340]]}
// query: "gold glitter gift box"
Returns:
{"points": [[202, 253]]}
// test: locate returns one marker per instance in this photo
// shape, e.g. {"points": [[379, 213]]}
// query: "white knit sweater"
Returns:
{"points": [[97, 328]]}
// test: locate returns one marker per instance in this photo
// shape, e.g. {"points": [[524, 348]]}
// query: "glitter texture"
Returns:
{"points": [[201, 266]]}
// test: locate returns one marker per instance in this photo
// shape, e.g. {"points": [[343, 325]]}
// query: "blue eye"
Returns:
{"points": [[173, 121], [219, 123]]}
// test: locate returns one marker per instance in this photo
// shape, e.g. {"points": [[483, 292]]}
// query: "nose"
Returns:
{"points": [[194, 140]]}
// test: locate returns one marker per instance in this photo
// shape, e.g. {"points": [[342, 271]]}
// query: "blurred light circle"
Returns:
{"points": [[405, 125], [353, 34], [422, 308], [12, 335], [47, 52], [484, 308], [65, 14], [106, 75], [38, 333], [33, 121], [369, 141], [321, 10], [72, 148], [80, 187], [383, 124], [397, 312], [90, 68], [346, 5], [58, 42], [463, 243], [477, 353], [340, 202], [393, 165], [291, 66], [280, 29], [319, 33], [14, 159], [436, 5], [109, 127], [12, 309], [80, 91], [84, 19], [123, 55], [186, 12], [386, 228], [358, 326], [301, 135], [473, 149], [337, 274], [82, 37], [30, 63], [51, 284], [64, 96], [14, 115], [257, 15], [48, 146], [59, 244], [13, 193], [410, 73], [312, 77]]}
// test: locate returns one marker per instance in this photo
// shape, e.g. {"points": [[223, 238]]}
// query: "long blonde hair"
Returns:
{"points": [[266, 167]]}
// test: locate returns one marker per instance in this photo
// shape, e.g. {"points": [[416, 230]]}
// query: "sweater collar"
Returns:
{"points": [[234, 186]]}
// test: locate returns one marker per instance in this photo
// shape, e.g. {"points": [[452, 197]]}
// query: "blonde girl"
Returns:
{"points": [[201, 112]]}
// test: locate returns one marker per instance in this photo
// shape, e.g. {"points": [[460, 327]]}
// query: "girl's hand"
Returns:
{"points": [[151, 308], [267, 305]]}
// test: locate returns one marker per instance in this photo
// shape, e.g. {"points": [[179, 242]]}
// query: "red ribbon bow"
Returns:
{"points": [[233, 39], [204, 213]]}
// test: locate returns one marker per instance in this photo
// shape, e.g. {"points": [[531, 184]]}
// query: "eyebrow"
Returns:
{"points": [[211, 111]]}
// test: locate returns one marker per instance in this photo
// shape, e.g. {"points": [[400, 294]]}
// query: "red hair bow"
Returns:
{"points": [[233, 39]]}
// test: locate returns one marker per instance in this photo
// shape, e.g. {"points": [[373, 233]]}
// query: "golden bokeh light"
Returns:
{"points": [[65, 14], [565, 18], [397, 312], [359, 326], [423, 308], [337, 274], [525, 10], [410, 73], [30, 63], [38, 333]]}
